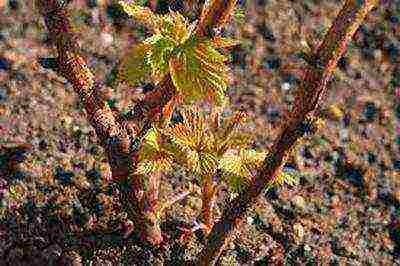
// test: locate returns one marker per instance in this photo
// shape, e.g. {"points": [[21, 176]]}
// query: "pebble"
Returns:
{"points": [[107, 39], [91, 3], [344, 135], [53, 252], [298, 231], [285, 86], [67, 121], [370, 111], [299, 202], [14, 4]]}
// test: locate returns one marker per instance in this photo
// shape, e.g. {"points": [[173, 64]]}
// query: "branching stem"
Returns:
{"points": [[313, 86]]}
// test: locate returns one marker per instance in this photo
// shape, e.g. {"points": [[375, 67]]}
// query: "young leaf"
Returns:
{"points": [[232, 164], [150, 145], [208, 162], [134, 67], [236, 183], [159, 55], [142, 14], [153, 166], [200, 71], [242, 163], [224, 42], [184, 70]]}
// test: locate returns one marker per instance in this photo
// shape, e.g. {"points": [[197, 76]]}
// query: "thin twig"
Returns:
{"points": [[313, 86]]}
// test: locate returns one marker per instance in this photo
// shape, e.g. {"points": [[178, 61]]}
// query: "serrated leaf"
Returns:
{"points": [[236, 183], [184, 72], [150, 145], [134, 68], [232, 164], [159, 55], [154, 166], [224, 42], [199, 72], [181, 136], [253, 157], [243, 163], [142, 14], [208, 162], [285, 177], [193, 161], [177, 27]]}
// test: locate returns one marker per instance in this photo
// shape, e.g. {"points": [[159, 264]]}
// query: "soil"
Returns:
{"points": [[59, 207]]}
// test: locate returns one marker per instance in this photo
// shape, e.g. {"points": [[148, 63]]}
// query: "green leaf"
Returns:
{"points": [[236, 183], [242, 163], [150, 145], [142, 14], [224, 42], [208, 162], [159, 55], [193, 161], [199, 72], [134, 68], [154, 166], [233, 164], [176, 27], [290, 178]]}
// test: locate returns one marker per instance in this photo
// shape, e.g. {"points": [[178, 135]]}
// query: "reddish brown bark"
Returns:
{"points": [[72, 66], [207, 197], [313, 86]]}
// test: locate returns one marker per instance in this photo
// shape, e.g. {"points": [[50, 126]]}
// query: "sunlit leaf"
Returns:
{"points": [[199, 72], [150, 145], [133, 66], [141, 14], [243, 163], [224, 42], [232, 163], [208, 162], [154, 166], [159, 55]]}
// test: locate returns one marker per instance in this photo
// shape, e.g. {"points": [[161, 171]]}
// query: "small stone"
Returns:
{"points": [[106, 38], [299, 202], [13, 4], [53, 253], [370, 111], [335, 201], [344, 135], [396, 194], [378, 54], [91, 3], [285, 86], [66, 120], [298, 232], [266, 32]]}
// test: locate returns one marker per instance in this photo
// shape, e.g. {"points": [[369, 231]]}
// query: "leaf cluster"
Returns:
{"points": [[197, 68], [202, 145]]}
